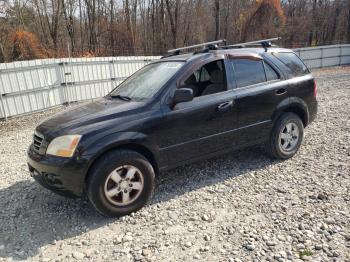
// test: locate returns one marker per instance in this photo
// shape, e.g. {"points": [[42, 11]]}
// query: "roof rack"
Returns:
{"points": [[210, 45], [264, 43]]}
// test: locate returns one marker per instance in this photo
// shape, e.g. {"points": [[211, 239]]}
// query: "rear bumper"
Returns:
{"points": [[64, 176]]}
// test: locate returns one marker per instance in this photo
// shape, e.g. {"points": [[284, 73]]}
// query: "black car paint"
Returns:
{"points": [[170, 135]]}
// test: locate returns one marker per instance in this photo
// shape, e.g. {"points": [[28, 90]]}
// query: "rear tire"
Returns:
{"points": [[120, 182], [286, 136]]}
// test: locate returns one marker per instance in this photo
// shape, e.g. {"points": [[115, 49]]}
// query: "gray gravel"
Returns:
{"points": [[239, 207]]}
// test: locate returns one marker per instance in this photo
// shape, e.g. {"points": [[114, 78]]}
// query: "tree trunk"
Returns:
{"points": [[311, 34], [91, 20], [333, 35], [173, 20], [128, 25], [111, 27], [348, 21], [69, 22], [2, 54], [81, 28], [227, 15], [217, 19]]}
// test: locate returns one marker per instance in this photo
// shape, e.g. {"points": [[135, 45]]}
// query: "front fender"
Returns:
{"points": [[94, 149]]}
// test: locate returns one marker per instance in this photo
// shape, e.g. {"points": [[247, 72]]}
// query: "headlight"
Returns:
{"points": [[63, 146]]}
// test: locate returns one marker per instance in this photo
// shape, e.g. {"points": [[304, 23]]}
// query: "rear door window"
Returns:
{"points": [[293, 63], [248, 72]]}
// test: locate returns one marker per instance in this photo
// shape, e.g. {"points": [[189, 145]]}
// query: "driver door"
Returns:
{"points": [[201, 127]]}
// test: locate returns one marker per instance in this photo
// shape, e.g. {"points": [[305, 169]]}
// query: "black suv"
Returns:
{"points": [[179, 109]]}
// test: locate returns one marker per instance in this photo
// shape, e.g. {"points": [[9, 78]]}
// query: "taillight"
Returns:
{"points": [[315, 88]]}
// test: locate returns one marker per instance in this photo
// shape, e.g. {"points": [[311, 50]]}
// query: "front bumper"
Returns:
{"points": [[64, 176]]}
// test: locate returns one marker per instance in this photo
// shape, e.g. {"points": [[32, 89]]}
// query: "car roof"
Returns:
{"points": [[251, 51]]}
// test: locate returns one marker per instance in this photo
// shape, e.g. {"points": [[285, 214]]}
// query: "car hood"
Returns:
{"points": [[79, 118]]}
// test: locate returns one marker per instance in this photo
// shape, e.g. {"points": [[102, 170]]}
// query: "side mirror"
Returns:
{"points": [[182, 95]]}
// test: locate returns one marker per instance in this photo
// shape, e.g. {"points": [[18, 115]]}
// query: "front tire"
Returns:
{"points": [[286, 136], [120, 182]]}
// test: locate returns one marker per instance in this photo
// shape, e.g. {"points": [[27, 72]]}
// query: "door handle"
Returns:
{"points": [[224, 107], [281, 91]]}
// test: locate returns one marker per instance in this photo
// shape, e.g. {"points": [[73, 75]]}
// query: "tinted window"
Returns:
{"points": [[248, 72], [293, 62], [271, 74]]}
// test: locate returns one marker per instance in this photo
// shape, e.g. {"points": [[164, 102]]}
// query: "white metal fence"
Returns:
{"points": [[325, 56], [30, 86]]}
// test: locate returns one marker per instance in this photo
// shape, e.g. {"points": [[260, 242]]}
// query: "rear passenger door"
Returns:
{"points": [[259, 89], [301, 82]]}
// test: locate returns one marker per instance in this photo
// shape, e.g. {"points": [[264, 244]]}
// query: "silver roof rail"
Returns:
{"points": [[194, 46], [264, 43]]}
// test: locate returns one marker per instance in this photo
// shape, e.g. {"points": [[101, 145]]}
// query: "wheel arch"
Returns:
{"points": [[141, 149], [293, 105], [136, 146]]}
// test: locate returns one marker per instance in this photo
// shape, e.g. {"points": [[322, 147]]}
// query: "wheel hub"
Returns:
{"points": [[289, 137], [124, 185]]}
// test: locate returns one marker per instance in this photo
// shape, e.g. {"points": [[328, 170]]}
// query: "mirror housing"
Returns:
{"points": [[182, 95]]}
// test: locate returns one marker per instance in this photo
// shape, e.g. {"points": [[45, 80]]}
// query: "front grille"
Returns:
{"points": [[37, 143]]}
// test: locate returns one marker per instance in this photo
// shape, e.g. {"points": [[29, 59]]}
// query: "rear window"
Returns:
{"points": [[293, 62]]}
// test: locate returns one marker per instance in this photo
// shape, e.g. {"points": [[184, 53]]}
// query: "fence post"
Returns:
{"points": [[67, 100], [1, 98], [3, 107], [112, 73], [61, 77]]}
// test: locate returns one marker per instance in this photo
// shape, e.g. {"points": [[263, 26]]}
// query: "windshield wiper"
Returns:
{"points": [[125, 98]]}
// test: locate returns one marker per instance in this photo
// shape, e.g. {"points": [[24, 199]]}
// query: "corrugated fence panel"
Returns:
{"points": [[325, 56], [345, 54], [29, 86]]}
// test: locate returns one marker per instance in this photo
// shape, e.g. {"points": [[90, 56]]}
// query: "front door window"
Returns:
{"points": [[207, 80]]}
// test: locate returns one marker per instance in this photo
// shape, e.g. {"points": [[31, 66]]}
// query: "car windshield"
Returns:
{"points": [[145, 83]]}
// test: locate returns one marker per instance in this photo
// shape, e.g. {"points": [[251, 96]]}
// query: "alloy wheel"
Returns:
{"points": [[124, 185], [289, 137]]}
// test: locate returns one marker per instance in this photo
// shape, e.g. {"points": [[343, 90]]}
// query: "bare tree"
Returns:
{"points": [[173, 12], [50, 14], [125, 27], [91, 24], [217, 18], [69, 7], [348, 29]]}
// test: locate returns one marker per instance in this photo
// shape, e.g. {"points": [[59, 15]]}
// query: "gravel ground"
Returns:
{"points": [[239, 207]]}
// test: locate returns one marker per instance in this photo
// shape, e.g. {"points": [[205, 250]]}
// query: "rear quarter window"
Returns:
{"points": [[293, 63]]}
